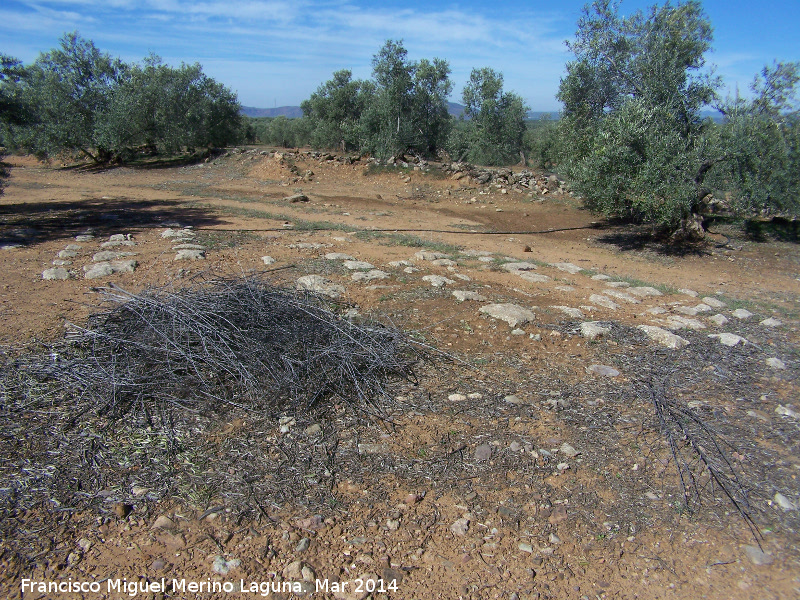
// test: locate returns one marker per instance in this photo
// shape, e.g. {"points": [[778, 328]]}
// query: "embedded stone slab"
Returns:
{"points": [[693, 311], [486, 259], [84, 238], [713, 302], [106, 255], [656, 310], [338, 256], [464, 295], [600, 277], [567, 267], [67, 254], [592, 330], [73, 247], [620, 295], [728, 339], [618, 284], [462, 277], [741, 313], [177, 233], [369, 275], [358, 265], [602, 370], [106, 268], [771, 322], [515, 267], [664, 337], [533, 277], [575, 313], [437, 280], [676, 322], [308, 246], [444, 262], [117, 243], [718, 319], [603, 301], [319, 285], [190, 255], [775, 363], [56, 273], [645, 291], [688, 292], [429, 255], [60, 262], [513, 314], [188, 247], [398, 263]]}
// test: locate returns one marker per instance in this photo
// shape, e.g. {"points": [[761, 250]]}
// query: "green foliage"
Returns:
{"points": [[542, 142], [78, 98], [494, 121], [283, 132], [632, 138]]}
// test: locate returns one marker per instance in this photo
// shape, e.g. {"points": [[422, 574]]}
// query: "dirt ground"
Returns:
{"points": [[530, 466]]}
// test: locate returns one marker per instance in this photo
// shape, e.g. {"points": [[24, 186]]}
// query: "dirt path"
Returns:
{"points": [[537, 472]]}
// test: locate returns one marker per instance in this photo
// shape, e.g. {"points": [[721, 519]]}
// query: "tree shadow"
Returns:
{"points": [[31, 223], [633, 238]]}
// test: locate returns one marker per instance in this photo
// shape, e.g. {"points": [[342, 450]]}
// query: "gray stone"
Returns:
{"points": [[713, 302], [771, 322], [73, 247], [575, 313], [444, 262], [620, 295], [525, 547], [741, 313], [602, 370], [60, 262], [268, 260], [618, 284], [757, 556], [224, 566], [320, 285], [463, 295], [644, 291], [664, 337], [297, 198], [107, 255], [603, 301], [718, 319], [67, 254], [117, 243], [787, 411], [656, 310], [784, 502], [600, 277], [396, 264], [370, 275], [307, 246], [568, 450], [177, 233], [483, 452], [358, 265], [689, 292], [775, 363], [303, 545], [728, 339], [429, 255], [55, 273], [693, 311], [676, 322], [437, 280], [460, 527], [567, 267], [514, 267], [592, 330], [84, 238], [188, 247], [338, 256], [533, 277], [101, 269], [512, 314], [190, 255]]}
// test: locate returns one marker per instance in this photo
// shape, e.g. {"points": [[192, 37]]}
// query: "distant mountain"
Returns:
{"points": [[290, 112]]}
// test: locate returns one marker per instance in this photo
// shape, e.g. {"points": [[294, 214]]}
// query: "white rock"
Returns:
{"points": [[338, 256], [664, 337], [713, 302], [568, 450], [320, 285], [784, 502], [603, 301], [656, 310], [771, 322], [370, 275], [718, 319], [689, 292], [463, 295], [398, 263], [55, 273], [512, 314], [358, 265], [107, 255], [787, 411], [456, 397], [444, 262], [575, 313], [676, 322], [437, 280], [775, 363], [741, 313], [567, 267], [460, 527], [645, 291], [617, 284], [190, 255], [601, 277], [592, 330], [728, 339], [620, 295], [515, 267], [602, 370], [268, 260], [533, 277], [429, 255]]}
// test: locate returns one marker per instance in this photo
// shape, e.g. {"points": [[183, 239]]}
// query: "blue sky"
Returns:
{"points": [[276, 52]]}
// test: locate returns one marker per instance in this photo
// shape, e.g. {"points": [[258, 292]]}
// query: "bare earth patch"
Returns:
{"points": [[532, 462]]}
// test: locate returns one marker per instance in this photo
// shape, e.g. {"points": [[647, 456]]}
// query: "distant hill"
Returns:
{"points": [[290, 112]]}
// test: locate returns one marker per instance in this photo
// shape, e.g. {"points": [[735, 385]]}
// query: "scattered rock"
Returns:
{"points": [[268, 260], [600, 277], [516, 267], [677, 322], [107, 255], [190, 255], [483, 452], [525, 547], [103, 269], [664, 337], [223, 566], [67, 254], [188, 247], [568, 450], [728, 339], [757, 556], [303, 545], [320, 285], [787, 411], [456, 397], [689, 292], [338, 256], [645, 291], [784, 502], [460, 527], [592, 330], [55, 273], [533, 277], [741, 313], [444, 262], [567, 267], [370, 275], [463, 295], [512, 314], [775, 363], [437, 280], [358, 265], [771, 322], [428, 255], [163, 522], [719, 319], [602, 370], [603, 301], [713, 302], [575, 313], [620, 295], [59, 262]]}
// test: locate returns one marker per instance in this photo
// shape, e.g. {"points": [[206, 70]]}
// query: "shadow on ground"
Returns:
{"points": [[31, 223]]}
